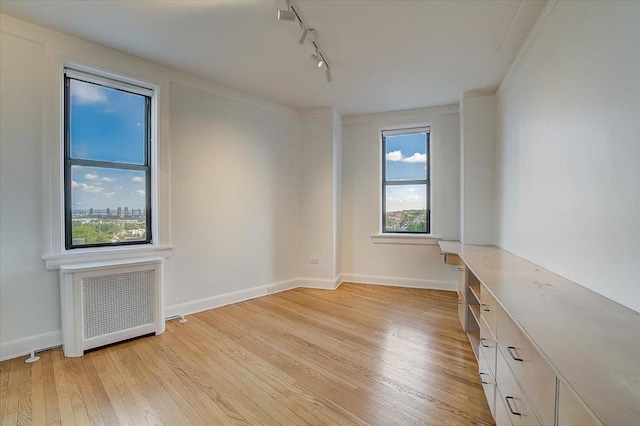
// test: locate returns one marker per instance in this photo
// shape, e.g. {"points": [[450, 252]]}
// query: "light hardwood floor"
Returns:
{"points": [[357, 355]]}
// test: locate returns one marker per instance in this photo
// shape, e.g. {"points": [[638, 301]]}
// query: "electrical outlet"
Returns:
{"points": [[315, 260]]}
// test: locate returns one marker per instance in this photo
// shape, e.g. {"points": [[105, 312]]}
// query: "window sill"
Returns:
{"points": [[55, 261], [405, 239]]}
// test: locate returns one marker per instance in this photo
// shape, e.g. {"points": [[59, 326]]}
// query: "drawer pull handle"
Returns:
{"points": [[483, 342], [483, 382], [460, 269], [514, 412], [441, 254], [484, 307], [514, 354]]}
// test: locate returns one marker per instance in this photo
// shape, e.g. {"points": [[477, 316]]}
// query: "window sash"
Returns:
{"points": [[426, 182], [70, 161]]}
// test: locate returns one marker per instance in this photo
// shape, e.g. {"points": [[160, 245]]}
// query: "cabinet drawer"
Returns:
{"points": [[462, 311], [502, 414], [535, 376], [572, 411], [488, 307], [518, 409], [488, 382], [488, 345]]}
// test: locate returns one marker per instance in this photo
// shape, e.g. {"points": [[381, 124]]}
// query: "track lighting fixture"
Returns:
{"points": [[291, 14], [286, 15], [317, 59], [303, 35]]}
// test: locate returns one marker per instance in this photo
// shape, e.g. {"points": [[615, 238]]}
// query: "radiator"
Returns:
{"points": [[107, 302]]}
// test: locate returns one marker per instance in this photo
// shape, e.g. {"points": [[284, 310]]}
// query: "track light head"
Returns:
{"points": [[329, 78], [303, 34], [317, 60], [286, 15]]}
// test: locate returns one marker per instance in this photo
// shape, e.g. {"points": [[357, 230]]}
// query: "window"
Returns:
{"points": [[405, 181], [107, 161]]}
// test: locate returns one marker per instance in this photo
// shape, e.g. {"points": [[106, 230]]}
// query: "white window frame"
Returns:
{"points": [[380, 237], [112, 66], [116, 83], [385, 183]]}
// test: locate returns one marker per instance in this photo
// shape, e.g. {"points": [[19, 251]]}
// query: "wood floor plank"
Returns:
{"points": [[401, 365], [391, 388], [52, 408], [38, 405], [4, 387], [62, 390], [354, 356], [257, 390], [284, 370]]}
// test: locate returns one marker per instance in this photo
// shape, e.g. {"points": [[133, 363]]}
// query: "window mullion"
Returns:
{"points": [[406, 182], [106, 164]]}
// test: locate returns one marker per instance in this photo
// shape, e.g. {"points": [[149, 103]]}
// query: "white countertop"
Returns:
{"points": [[591, 341]]}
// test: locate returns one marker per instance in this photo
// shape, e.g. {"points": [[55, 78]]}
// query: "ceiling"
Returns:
{"points": [[384, 55]]}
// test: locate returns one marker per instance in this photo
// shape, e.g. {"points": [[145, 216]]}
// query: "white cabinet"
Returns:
{"points": [[549, 351]]}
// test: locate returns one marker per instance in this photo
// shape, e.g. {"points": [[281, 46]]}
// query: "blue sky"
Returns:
{"points": [[406, 159], [108, 125]]}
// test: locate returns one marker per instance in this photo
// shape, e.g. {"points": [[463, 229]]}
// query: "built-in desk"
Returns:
{"points": [[547, 326]]}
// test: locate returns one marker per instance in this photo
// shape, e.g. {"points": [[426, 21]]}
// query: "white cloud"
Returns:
{"points": [[88, 188], [416, 158], [85, 93], [394, 156], [137, 179], [413, 198], [139, 193], [106, 179], [74, 184], [397, 156], [91, 176], [109, 194]]}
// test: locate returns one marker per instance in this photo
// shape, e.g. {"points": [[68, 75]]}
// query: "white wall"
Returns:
{"points": [[29, 296], [369, 259], [477, 156], [318, 222], [337, 194], [568, 163], [235, 176]]}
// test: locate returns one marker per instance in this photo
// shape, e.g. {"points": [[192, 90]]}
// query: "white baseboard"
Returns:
{"points": [[205, 304], [400, 282], [320, 283], [21, 347]]}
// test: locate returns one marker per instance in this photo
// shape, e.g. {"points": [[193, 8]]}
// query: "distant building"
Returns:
{"points": [[91, 211]]}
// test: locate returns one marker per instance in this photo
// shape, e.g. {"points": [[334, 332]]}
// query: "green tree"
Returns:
{"points": [[417, 226]]}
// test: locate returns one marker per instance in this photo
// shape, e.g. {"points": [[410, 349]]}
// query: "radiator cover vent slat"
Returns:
{"points": [[117, 302]]}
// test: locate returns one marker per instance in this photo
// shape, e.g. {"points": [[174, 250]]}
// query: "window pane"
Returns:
{"points": [[405, 208], [106, 124], [406, 157], [107, 205]]}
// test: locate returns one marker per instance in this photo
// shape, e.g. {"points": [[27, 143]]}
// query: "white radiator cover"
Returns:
{"points": [[107, 302]]}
